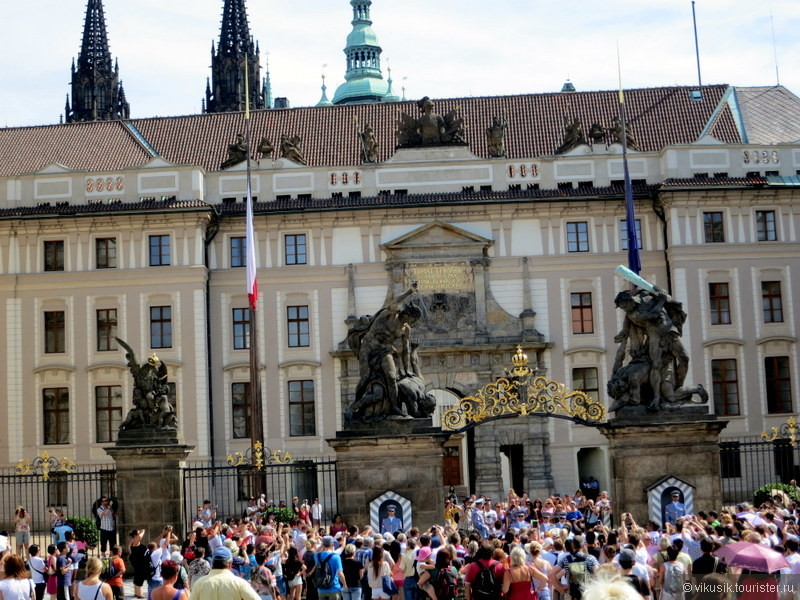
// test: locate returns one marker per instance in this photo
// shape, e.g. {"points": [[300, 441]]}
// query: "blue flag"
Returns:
{"points": [[634, 260]]}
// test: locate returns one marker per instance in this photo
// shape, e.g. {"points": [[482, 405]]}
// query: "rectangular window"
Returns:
{"points": [[161, 327], [240, 397], [585, 379], [105, 250], [54, 255], [297, 319], [295, 249], [106, 329], [779, 384], [623, 232], [108, 412], [578, 237], [765, 226], [241, 328], [719, 303], [159, 251], [54, 332], [56, 415], [301, 408], [582, 321], [771, 301], [238, 252], [714, 229], [725, 384]]}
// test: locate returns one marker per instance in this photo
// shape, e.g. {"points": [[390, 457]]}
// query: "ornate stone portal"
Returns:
{"points": [[461, 339]]}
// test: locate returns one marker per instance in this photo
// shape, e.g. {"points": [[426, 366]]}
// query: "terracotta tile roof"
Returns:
{"points": [[710, 182], [658, 116], [97, 146]]}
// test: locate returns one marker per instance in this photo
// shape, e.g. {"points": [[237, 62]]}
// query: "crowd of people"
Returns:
{"points": [[514, 548]]}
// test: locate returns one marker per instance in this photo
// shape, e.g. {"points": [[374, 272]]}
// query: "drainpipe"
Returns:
{"points": [[658, 208]]}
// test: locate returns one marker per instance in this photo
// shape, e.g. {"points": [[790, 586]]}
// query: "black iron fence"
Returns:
{"points": [[229, 486], [749, 463], [46, 485]]}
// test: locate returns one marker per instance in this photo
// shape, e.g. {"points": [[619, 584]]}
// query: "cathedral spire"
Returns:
{"points": [[363, 79], [235, 49], [95, 79]]}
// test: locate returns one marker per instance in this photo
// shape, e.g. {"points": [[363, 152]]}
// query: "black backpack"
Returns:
{"points": [[484, 586], [150, 567], [446, 586], [323, 579]]}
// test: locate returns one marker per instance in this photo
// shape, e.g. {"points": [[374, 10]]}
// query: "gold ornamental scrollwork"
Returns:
{"points": [[786, 431], [522, 393], [44, 464], [259, 456]]}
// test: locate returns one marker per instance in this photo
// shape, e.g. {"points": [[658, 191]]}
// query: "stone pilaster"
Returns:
{"points": [[408, 464], [150, 488], [685, 446]]}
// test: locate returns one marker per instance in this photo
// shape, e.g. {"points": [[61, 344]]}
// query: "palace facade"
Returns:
{"points": [[131, 228]]}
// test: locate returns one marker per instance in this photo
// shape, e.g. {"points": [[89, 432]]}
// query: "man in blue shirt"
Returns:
{"points": [[328, 559], [478, 524], [391, 523], [675, 509]]}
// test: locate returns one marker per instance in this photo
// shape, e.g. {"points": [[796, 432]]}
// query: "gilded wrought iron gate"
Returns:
{"points": [[47, 483]]}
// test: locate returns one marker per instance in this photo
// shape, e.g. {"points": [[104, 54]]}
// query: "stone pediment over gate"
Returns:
{"points": [[437, 240], [452, 270]]}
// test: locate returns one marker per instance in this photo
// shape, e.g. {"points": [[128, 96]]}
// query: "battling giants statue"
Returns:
{"points": [[391, 384], [151, 405], [651, 337]]}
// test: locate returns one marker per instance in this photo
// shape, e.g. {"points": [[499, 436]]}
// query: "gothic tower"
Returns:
{"points": [[97, 93], [363, 79], [225, 92]]}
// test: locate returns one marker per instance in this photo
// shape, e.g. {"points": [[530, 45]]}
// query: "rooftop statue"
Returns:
{"points": [[651, 339], [237, 152], [496, 138], [391, 384], [151, 405], [265, 147], [616, 134], [430, 129], [573, 135], [369, 144], [597, 132], [290, 149]]}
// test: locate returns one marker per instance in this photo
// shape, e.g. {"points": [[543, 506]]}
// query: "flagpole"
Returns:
{"points": [[634, 259], [256, 413]]}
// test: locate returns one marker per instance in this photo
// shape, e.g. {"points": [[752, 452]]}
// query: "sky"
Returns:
{"points": [[438, 48]]}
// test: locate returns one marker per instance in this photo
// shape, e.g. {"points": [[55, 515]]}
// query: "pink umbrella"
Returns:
{"points": [[755, 557]]}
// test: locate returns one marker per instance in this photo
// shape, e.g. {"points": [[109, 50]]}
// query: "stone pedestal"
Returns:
{"points": [[651, 447], [150, 486], [400, 456]]}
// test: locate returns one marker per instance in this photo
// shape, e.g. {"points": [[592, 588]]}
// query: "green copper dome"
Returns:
{"points": [[363, 78], [360, 91], [362, 35]]}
